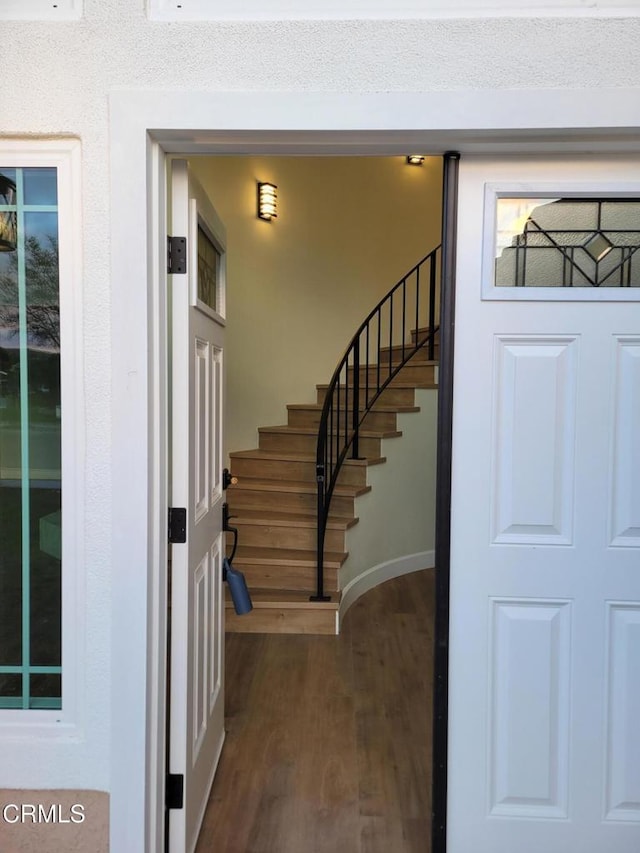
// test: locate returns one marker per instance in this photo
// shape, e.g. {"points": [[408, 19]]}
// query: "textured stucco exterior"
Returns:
{"points": [[57, 79]]}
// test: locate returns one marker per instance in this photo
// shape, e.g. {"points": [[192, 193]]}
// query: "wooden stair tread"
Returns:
{"points": [[395, 384], [316, 407], [287, 599], [295, 486], [283, 518], [285, 557], [409, 352], [275, 455], [428, 362], [284, 429], [384, 364], [278, 516]]}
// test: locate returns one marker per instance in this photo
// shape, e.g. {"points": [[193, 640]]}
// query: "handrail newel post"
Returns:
{"points": [[432, 307], [356, 402], [322, 522]]}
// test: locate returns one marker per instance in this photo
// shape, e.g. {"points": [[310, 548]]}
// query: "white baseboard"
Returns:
{"points": [[381, 573]]}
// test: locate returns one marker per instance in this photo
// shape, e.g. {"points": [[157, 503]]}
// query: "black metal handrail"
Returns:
{"points": [[376, 354]]}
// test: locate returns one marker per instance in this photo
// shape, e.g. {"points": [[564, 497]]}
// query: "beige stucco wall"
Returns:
{"points": [[67, 822], [298, 287]]}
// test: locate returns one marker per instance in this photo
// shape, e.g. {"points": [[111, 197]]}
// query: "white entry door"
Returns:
{"points": [[544, 713], [197, 608]]}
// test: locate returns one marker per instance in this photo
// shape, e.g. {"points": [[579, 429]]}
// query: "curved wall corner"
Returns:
{"points": [[395, 534]]}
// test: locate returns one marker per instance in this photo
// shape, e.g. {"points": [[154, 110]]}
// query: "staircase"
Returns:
{"points": [[274, 502]]}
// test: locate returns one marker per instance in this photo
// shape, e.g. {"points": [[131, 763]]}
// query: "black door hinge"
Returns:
{"points": [[174, 791], [177, 525], [177, 255]]}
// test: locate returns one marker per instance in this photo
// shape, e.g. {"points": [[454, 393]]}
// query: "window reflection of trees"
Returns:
{"points": [[42, 310], [41, 317]]}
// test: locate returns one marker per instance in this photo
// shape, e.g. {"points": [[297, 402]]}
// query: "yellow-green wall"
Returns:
{"points": [[298, 287]]}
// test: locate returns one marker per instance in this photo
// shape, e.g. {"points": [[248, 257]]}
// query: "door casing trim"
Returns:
{"points": [[144, 128]]}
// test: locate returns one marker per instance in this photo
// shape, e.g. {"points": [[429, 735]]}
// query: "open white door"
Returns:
{"points": [[544, 701], [196, 702]]}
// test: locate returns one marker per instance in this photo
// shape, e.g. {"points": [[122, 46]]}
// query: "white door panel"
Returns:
{"points": [[197, 399], [545, 567]]}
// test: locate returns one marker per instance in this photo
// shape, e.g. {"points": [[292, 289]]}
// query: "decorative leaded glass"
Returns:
{"points": [[208, 270], [568, 242]]}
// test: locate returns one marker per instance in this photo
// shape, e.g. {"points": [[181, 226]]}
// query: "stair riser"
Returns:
{"points": [[286, 577], [304, 472], [341, 506], [410, 373], [389, 397], [421, 334], [296, 538], [374, 420], [421, 356], [285, 621], [291, 443]]}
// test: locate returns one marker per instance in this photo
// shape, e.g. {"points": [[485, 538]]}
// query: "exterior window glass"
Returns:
{"points": [[567, 242], [30, 422]]}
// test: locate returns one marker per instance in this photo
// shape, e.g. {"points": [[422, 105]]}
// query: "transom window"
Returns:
{"points": [[567, 242], [30, 441]]}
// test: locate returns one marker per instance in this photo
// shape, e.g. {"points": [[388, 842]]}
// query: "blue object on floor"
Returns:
{"points": [[237, 587]]}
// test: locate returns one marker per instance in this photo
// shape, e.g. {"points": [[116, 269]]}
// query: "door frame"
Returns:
{"points": [[144, 128]]}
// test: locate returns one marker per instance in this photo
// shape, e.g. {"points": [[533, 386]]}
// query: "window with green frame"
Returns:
{"points": [[30, 441]]}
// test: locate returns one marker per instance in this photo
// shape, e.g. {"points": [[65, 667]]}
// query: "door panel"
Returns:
{"points": [[545, 569], [533, 438], [529, 661], [197, 400], [625, 489]]}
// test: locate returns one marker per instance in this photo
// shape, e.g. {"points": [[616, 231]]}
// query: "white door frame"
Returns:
{"points": [[144, 127]]}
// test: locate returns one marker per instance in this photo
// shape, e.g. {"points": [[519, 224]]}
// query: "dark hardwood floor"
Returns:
{"points": [[328, 746]]}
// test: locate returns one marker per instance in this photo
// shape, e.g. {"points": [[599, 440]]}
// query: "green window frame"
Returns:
{"points": [[30, 441]]}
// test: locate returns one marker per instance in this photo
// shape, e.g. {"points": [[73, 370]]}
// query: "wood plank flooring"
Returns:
{"points": [[328, 745]]}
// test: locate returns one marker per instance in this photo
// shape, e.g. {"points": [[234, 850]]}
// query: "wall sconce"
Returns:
{"points": [[415, 160], [267, 201], [8, 218]]}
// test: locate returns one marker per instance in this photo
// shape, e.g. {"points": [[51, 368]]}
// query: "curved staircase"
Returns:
{"points": [[274, 503]]}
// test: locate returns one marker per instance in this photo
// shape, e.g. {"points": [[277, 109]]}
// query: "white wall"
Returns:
{"points": [[56, 80], [298, 287], [397, 517]]}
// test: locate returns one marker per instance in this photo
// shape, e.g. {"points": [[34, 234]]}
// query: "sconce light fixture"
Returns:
{"points": [[415, 160], [267, 201], [8, 218]]}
